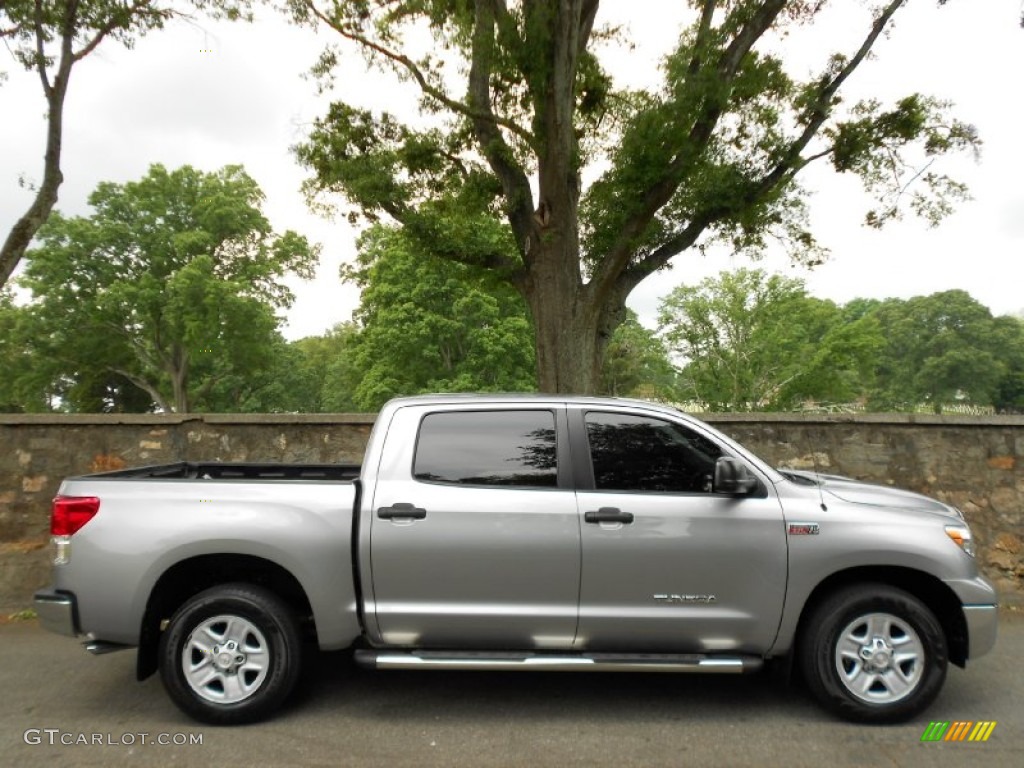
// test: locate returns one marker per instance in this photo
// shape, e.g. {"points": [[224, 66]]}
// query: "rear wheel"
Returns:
{"points": [[873, 653], [231, 654]]}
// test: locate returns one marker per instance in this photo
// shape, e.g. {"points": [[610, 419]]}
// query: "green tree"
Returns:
{"points": [[1008, 340], [636, 364], [753, 341], [20, 388], [430, 325], [341, 374], [280, 384], [49, 37], [315, 374], [171, 285], [517, 106], [939, 349]]}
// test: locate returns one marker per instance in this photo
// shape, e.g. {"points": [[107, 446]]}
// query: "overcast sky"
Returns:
{"points": [[212, 94]]}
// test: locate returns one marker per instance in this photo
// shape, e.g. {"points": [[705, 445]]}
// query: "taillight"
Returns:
{"points": [[70, 513]]}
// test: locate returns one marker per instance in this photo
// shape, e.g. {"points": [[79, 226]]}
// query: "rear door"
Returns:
{"points": [[475, 539], [668, 564]]}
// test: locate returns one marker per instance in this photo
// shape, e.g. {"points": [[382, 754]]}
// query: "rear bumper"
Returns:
{"points": [[982, 623], [57, 612]]}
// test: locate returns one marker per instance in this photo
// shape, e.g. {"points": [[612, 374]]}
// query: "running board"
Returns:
{"points": [[591, 662], [100, 647]]}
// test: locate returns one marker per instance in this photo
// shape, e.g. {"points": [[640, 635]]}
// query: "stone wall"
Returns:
{"points": [[976, 463]]}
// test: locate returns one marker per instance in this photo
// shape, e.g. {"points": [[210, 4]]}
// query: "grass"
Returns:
{"points": [[26, 615]]}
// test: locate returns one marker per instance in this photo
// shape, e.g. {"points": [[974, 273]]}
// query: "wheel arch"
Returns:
{"points": [[189, 577], [937, 596]]}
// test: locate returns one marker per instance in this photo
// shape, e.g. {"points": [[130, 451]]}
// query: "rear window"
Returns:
{"points": [[510, 448]]}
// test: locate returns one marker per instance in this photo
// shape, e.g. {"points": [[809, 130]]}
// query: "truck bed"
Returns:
{"points": [[204, 470]]}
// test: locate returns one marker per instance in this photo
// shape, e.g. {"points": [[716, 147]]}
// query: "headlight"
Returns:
{"points": [[961, 535]]}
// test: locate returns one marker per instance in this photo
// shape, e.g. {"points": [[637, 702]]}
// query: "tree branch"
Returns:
{"points": [[145, 386], [661, 255], [40, 50], [588, 14], [497, 261], [111, 25], [514, 183], [703, 31], [658, 194], [751, 32], [815, 115], [420, 78]]}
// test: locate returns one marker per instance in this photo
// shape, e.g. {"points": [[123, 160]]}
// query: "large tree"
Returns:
{"points": [[942, 349], [171, 285], [49, 37], [752, 341], [528, 112]]}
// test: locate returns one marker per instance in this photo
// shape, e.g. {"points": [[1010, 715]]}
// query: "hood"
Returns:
{"points": [[857, 492]]}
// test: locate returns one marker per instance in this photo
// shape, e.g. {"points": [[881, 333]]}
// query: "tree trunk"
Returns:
{"points": [[571, 328], [25, 228], [177, 369], [21, 234]]}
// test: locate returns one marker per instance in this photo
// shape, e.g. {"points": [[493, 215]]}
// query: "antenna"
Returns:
{"points": [[817, 480]]}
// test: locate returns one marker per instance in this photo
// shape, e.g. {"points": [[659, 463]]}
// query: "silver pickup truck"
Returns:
{"points": [[519, 533]]}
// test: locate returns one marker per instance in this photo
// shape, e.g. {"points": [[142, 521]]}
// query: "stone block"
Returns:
{"points": [[33, 484], [1002, 462], [1007, 542]]}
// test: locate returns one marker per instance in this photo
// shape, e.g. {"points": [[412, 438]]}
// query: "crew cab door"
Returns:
{"points": [[475, 539], [668, 564]]}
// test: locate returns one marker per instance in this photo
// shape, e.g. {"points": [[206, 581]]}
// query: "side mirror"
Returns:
{"points": [[732, 476]]}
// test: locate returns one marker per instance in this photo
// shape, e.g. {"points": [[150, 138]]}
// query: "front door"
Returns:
{"points": [[668, 564], [485, 554]]}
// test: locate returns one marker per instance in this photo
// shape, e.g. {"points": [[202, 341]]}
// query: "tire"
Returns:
{"points": [[231, 654], [873, 654]]}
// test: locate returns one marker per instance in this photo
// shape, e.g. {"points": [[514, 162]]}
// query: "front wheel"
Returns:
{"points": [[873, 653], [230, 654]]}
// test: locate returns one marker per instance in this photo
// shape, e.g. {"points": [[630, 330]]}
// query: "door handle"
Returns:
{"points": [[401, 510], [608, 515]]}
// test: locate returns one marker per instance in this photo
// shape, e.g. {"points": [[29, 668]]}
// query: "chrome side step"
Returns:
{"points": [[100, 647], [591, 662]]}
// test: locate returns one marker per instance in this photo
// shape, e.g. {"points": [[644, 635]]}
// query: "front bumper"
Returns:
{"points": [[982, 623], [57, 612]]}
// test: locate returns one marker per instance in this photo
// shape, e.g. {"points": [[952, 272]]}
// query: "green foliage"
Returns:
{"points": [[518, 109], [944, 348], [321, 375], [637, 364], [870, 145], [89, 20], [750, 341], [171, 286], [430, 325], [1008, 344], [21, 390], [31, 26]]}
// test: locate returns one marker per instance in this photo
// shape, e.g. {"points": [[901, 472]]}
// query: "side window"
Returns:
{"points": [[638, 453], [487, 448]]}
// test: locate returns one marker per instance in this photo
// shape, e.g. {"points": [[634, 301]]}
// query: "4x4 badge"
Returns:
{"points": [[804, 529]]}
